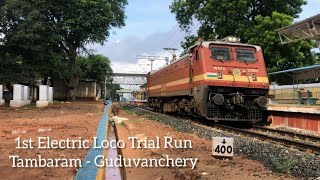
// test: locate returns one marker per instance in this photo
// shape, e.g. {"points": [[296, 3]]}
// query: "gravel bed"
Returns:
{"points": [[278, 158]]}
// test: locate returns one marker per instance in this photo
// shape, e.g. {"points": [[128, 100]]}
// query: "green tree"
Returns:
{"points": [[254, 21], [11, 69], [112, 90], [278, 56], [96, 67], [64, 27], [26, 45]]}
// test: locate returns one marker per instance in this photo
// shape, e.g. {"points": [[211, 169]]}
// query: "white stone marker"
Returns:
{"points": [[18, 99], [26, 95], [222, 146], [50, 94], [43, 96], [1, 96]]}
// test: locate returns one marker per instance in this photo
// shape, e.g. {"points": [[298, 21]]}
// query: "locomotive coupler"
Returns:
{"points": [[237, 98]]}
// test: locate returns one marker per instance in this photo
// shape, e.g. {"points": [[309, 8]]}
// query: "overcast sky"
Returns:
{"points": [[150, 26]]}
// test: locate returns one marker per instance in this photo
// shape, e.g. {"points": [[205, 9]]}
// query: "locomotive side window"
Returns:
{"points": [[220, 53], [245, 55], [197, 55]]}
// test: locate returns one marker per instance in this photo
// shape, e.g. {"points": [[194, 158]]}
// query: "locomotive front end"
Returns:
{"points": [[233, 83]]}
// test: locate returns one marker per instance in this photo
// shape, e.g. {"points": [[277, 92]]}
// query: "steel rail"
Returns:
{"points": [[287, 142], [289, 133]]}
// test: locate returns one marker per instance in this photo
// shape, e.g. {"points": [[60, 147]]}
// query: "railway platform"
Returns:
{"points": [[295, 116]]}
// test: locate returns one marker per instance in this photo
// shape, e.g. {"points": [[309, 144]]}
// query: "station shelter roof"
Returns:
{"points": [[302, 73]]}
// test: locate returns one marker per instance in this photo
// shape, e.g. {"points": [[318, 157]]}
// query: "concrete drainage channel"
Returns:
{"points": [[106, 130], [276, 157]]}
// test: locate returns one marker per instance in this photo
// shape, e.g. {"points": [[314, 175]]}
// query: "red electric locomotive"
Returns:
{"points": [[221, 80]]}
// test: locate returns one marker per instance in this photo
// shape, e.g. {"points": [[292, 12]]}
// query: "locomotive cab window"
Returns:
{"points": [[246, 55], [220, 53]]}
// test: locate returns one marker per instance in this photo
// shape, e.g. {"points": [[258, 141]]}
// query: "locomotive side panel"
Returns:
{"points": [[172, 80]]}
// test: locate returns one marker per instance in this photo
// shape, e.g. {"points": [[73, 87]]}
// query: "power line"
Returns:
{"points": [[169, 37], [181, 38], [193, 28], [174, 44], [152, 59]]}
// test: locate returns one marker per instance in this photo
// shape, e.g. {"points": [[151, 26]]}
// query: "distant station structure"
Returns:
{"points": [[306, 29], [297, 105], [294, 92], [129, 83], [129, 80]]}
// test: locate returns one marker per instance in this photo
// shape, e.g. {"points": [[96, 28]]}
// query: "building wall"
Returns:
{"points": [[85, 90]]}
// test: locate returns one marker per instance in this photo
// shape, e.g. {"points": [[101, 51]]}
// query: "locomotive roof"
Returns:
{"points": [[178, 59], [221, 42], [206, 44]]}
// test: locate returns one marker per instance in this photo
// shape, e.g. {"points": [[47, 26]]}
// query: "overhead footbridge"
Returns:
{"points": [[306, 29]]}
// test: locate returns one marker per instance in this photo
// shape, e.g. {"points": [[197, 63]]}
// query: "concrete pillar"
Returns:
{"points": [[43, 93], [50, 94], [17, 92], [43, 96], [27, 95], [1, 96], [18, 99]]}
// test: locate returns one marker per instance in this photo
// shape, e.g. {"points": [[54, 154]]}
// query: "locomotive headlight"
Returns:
{"points": [[232, 39], [219, 74], [218, 99], [254, 77]]}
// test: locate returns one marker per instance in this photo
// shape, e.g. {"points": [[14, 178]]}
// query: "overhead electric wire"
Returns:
{"points": [[181, 38], [175, 43]]}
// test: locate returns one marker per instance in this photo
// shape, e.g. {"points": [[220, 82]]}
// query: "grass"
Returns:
{"points": [[282, 165], [128, 109], [28, 107]]}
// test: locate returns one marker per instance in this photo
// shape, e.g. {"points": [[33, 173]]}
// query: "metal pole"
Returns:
{"points": [[151, 64], [105, 87], [293, 99]]}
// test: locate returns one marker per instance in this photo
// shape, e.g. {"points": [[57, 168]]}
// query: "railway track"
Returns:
{"points": [[289, 134], [299, 141], [283, 140]]}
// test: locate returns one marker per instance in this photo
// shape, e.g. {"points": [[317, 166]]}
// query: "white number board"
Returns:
{"points": [[222, 146]]}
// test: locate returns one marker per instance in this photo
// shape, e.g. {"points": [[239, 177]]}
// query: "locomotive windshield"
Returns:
{"points": [[220, 53], [245, 55]]}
